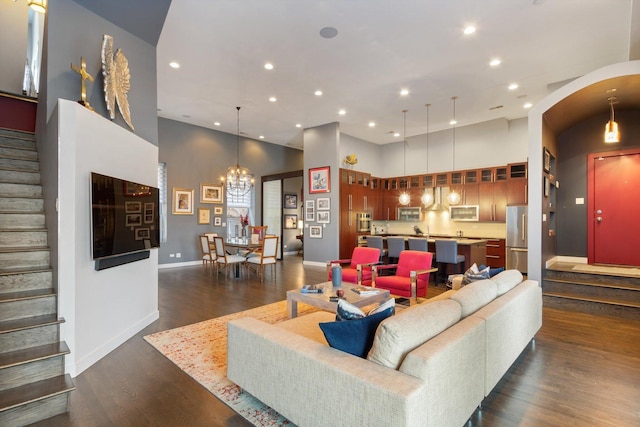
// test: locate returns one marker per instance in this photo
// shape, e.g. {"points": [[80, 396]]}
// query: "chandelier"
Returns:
{"points": [[238, 179]]}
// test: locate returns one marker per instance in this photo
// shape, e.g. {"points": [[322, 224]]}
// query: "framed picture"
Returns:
{"points": [[546, 165], [149, 212], [204, 216], [217, 210], [182, 201], [211, 193], [217, 221], [309, 211], [324, 217], [546, 186], [319, 180], [132, 207], [291, 201], [315, 232], [133, 220], [324, 203], [142, 233], [290, 221]]}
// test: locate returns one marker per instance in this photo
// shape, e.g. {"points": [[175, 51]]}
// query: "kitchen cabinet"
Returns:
{"points": [[466, 184], [517, 184], [492, 194], [356, 195], [496, 253]]}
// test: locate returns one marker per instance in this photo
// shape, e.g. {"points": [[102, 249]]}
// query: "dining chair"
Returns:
{"points": [[223, 259], [395, 245], [212, 244], [377, 242], [411, 278], [358, 267], [267, 256], [260, 230], [208, 258], [418, 244], [447, 253]]}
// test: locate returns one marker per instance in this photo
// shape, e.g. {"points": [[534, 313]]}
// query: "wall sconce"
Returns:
{"points": [[611, 132]]}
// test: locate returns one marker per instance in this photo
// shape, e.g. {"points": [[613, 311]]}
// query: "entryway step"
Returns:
{"points": [[36, 401], [29, 332], [23, 238], [17, 176], [22, 220], [20, 190], [22, 204], [25, 279], [592, 305], [18, 153], [21, 367], [24, 258], [592, 290]]}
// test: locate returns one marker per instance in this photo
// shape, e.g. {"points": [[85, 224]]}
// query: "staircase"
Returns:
{"points": [[33, 385], [600, 293]]}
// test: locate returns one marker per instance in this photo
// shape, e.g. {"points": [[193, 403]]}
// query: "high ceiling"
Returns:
{"points": [[381, 47]]}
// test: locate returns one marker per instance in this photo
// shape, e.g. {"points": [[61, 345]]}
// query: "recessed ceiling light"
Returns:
{"points": [[528, 105], [372, 124], [318, 93], [453, 122], [470, 30], [268, 66], [495, 62], [273, 99], [396, 134], [404, 92], [513, 86], [261, 137], [216, 123], [298, 125], [174, 64], [342, 112]]}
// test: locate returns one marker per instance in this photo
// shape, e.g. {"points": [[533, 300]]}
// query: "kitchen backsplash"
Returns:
{"points": [[440, 224]]}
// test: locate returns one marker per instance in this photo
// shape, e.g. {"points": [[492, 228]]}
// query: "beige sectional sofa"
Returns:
{"points": [[430, 365]]}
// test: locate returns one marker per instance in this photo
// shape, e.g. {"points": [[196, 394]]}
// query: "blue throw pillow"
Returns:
{"points": [[354, 336], [494, 271]]}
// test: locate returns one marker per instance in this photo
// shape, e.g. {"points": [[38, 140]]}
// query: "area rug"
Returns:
{"points": [[200, 350]]}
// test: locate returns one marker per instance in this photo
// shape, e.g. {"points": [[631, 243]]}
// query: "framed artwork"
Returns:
{"points": [[319, 180], [149, 212], [211, 193], [204, 216], [309, 211], [217, 210], [547, 184], [182, 201], [133, 220], [324, 203], [290, 221], [546, 164], [291, 201], [324, 217], [217, 221], [315, 232], [142, 233], [132, 207]]}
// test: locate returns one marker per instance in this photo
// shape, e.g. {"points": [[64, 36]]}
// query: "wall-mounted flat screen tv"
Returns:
{"points": [[124, 217]]}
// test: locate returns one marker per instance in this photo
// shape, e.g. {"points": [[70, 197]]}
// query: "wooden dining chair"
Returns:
{"points": [[223, 259], [208, 258], [267, 256]]}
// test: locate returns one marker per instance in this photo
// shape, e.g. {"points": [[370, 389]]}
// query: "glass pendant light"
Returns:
{"points": [[404, 199], [454, 197], [611, 132], [427, 196]]}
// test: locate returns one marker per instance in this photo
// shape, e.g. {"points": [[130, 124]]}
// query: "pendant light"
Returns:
{"points": [[454, 197], [238, 179], [611, 132], [404, 199], [39, 6], [427, 196]]}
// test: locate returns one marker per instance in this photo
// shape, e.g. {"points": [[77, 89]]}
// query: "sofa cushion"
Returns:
{"points": [[354, 336], [400, 334], [475, 296], [348, 311], [507, 280], [474, 273]]}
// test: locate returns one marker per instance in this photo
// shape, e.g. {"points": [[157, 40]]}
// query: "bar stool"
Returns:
{"points": [[418, 244], [447, 253], [377, 242], [395, 246]]}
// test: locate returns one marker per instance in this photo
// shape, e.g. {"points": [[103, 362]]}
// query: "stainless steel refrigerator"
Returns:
{"points": [[517, 238]]}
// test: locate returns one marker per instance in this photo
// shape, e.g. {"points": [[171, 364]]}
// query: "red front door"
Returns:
{"points": [[614, 208]]}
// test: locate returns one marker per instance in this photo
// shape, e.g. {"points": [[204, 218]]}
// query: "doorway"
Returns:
{"points": [[614, 207], [282, 207]]}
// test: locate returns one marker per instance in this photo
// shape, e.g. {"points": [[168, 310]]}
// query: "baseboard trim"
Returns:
{"points": [[179, 264]]}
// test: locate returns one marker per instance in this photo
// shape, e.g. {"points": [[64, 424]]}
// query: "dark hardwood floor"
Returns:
{"points": [[581, 370]]}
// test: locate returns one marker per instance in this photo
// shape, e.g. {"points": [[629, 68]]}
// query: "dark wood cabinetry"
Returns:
{"points": [[517, 184], [496, 253], [492, 194]]}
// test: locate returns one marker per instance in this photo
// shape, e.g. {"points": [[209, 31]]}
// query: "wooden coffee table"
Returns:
{"points": [[322, 300]]}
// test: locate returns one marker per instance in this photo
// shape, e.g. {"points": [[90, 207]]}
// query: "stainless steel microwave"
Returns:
{"points": [[464, 213]]}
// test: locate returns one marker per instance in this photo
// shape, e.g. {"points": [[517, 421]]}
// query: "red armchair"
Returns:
{"points": [[412, 275], [359, 266]]}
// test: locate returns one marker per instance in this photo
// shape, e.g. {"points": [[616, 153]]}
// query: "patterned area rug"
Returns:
{"points": [[200, 350]]}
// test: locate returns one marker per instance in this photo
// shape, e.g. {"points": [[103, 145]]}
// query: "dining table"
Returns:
{"points": [[242, 244]]}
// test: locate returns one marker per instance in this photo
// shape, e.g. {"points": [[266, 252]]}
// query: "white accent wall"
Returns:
{"points": [[104, 308]]}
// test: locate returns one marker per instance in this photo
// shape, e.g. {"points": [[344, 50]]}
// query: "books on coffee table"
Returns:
{"points": [[312, 289], [363, 290]]}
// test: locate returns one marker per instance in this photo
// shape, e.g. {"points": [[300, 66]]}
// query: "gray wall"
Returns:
{"points": [[573, 146], [196, 155]]}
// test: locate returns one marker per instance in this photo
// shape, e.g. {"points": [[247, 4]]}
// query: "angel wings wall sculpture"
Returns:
{"points": [[117, 80]]}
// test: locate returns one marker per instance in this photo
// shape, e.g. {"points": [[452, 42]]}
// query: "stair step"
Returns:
{"points": [[595, 299], [21, 367], [37, 401], [23, 165], [22, 220], [18, 153], [22, 204], [603, 291], [17, 176], [29, 332], [25, 279], [617, 309], [24, 258], [24, 304], [23, 238], [27, 142], [17, 134], [20, 190]]}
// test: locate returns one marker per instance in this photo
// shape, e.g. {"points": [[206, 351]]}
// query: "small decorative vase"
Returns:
{"points": [[336, 276], [244, 230]]}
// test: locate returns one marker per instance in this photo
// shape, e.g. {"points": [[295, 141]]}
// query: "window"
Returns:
{"points": [[238, 204], [162, 186]]}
